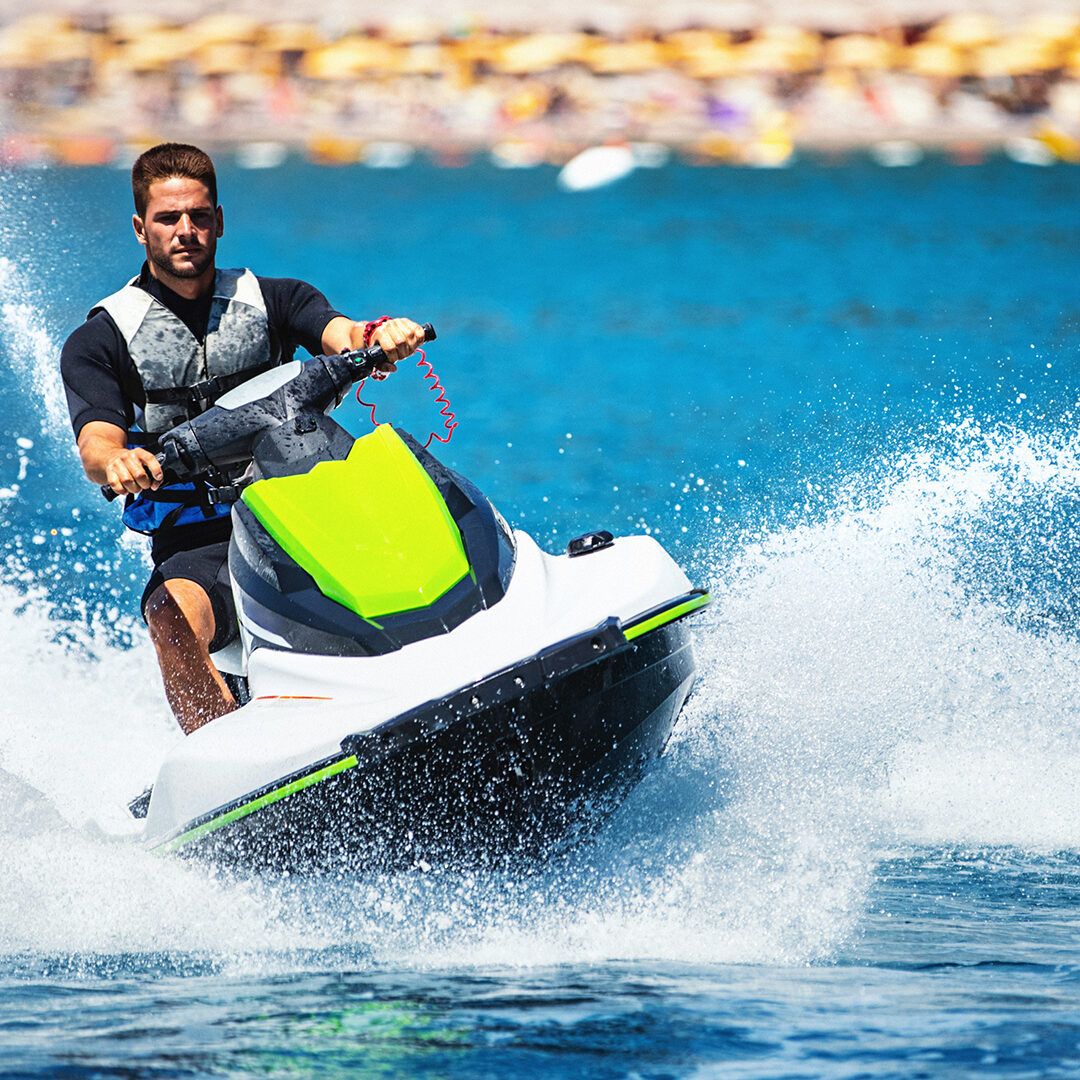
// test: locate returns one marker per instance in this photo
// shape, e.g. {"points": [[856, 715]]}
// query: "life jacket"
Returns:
{"points": [[183, 377]]}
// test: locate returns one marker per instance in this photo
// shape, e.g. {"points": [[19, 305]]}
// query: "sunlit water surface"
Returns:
{"points": [[844, 399]]}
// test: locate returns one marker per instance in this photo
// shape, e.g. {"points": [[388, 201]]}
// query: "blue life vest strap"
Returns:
{"points": [[179, 504]]}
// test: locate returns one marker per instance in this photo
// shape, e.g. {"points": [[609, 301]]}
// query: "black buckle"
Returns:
{"points": [[207, 390], [227, 493]]}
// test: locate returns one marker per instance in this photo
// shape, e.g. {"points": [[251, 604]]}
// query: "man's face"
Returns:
{"points": [[180, 229]]}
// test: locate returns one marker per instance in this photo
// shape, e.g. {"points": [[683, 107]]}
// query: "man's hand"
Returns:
{"points": [[108, 460], [397, 338], [133, 470]]}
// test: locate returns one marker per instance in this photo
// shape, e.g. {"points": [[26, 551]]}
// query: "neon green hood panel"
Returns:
{"points": [[373, 530]]}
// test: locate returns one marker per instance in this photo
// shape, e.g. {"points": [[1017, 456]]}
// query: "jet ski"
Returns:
{"points": [[420, 683]]}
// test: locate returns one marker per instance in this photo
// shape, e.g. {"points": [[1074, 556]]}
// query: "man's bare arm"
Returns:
{"points": [[107, 459]]}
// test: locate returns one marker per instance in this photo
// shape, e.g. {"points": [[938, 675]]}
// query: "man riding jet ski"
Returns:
{"points": [[162, 349], [422, 682], [419, 679]]}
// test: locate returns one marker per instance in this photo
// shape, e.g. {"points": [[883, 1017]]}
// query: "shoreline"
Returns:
{"points": [[958, 148]]}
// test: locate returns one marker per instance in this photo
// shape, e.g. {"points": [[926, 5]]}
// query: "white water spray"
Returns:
{"points": [[862, 689], [31, 348]]}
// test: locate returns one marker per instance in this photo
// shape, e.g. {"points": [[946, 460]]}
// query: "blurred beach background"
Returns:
{"points": [[710, 81], [845, 399]]}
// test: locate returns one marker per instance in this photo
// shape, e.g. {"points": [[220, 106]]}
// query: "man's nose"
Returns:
{"points": [[185, 224]]}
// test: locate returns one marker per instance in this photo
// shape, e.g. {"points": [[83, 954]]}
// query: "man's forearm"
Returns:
{"points": [[107, 459], [96, 451]]}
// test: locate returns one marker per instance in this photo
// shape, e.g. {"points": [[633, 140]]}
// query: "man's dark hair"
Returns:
{"points": [[168, 160]]}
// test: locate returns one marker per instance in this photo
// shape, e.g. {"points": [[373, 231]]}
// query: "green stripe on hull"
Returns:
{"points": [[259, 803], [664, 617], [653, 622]]}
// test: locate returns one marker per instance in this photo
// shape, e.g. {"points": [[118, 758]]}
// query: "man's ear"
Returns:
{"points": [[140, 229], [220, 222]]}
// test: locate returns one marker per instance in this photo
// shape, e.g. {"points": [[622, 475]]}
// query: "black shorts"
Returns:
{"points": [[198, 553]]}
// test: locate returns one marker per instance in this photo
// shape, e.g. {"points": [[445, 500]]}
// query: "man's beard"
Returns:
{"points": [[197, 269]]}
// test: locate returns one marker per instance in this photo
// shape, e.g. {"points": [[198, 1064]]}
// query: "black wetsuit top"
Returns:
{"points": [[102, 383], [101, 380]]}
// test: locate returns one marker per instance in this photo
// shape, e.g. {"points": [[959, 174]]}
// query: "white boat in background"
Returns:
{"points": [[596, 167]]}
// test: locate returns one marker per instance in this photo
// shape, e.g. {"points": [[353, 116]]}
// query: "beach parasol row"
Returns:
{"points": [[958, 46]]}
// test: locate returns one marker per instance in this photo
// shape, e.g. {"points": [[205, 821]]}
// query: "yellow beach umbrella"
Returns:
{"points": [[320, 64], [702, 54], [965, 30], [348, 58], [131, 25], [39, 25], [154, 52], [775, 56], [479, 48], [1071, 63], [796, 38], [935, 60], [780, 48], [225, 58], [713, 62], [68, 47], [541, 52], [1018, 56], [35, 42], [624, 57], [17, 52], [225, 27], [861, 52], [21, 41], [422, 59], [683, 43], [1055, 26], [291, 37]]}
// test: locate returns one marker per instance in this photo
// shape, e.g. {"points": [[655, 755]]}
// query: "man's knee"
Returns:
{"points": [[177, 609]]}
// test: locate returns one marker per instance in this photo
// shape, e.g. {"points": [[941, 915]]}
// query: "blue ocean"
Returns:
{"points": [[845, 398]]}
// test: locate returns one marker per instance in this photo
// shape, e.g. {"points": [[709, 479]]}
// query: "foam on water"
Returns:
{"points": [[879, 676], [905, 660], [30, 346]]}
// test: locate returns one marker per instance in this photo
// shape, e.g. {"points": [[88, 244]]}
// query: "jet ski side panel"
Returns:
{"points": [[304, 705], [510, 768]]}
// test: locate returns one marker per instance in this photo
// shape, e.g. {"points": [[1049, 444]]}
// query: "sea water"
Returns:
{"points": [[845, 398]]}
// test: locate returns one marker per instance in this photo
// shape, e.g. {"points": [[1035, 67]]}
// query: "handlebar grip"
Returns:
{"points": [[363, 361]]}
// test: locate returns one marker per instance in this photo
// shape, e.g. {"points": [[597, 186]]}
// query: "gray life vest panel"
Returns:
{"points": [[180, 376]]}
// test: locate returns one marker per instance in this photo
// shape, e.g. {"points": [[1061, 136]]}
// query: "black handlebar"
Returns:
{"points": [[364, 361], [351, 367]]}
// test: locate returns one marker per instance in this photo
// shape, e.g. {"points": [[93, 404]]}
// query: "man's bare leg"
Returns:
{"points": [[181, 623]]}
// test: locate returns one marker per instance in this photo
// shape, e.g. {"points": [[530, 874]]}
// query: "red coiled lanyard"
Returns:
{"points": [[436, 388]]}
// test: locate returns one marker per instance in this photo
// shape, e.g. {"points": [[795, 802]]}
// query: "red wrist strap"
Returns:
{"points": [[370, 328]]}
